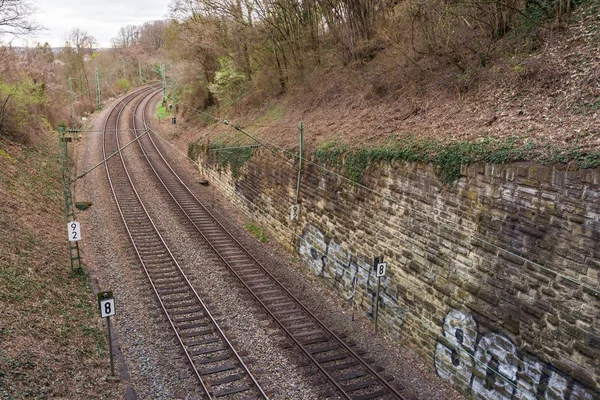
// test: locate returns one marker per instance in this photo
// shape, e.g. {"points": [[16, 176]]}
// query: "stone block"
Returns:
{"points": [[547, 214]]}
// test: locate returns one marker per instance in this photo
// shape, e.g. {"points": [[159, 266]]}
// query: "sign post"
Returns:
{"points": [[106, 303], [74, 229], [380, 268]]}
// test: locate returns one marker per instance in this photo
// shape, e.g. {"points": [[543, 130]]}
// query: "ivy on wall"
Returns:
{"points": [[225, 156], [447, 158]]}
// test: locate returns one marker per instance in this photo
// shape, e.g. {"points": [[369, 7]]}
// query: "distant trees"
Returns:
{"points": [[150, 36], [79, 44], [128, 36], [23, 97]]}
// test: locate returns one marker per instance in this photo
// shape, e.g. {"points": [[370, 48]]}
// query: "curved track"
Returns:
{"points": [[218, 367], [344, 367]]}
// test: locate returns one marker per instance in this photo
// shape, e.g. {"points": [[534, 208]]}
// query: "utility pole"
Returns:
{"points": [[140, 71], [164, 79], [72, 96], [98, 97], [68, 195], [301, 128], [172, 83]]}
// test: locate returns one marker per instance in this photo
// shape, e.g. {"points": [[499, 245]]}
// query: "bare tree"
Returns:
{"points": [[78, 44], [152, 35], [128, 36], [14, 17]]}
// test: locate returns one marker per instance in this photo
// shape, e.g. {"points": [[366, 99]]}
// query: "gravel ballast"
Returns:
{"points": [[152, 359]]}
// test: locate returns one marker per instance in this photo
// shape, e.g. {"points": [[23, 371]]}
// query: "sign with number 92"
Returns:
{"points": [[107, 308], [74, 230]]}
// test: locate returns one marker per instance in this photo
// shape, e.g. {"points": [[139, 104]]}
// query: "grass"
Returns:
{"points": [[162, 112], [274, 113], [258, 232]]}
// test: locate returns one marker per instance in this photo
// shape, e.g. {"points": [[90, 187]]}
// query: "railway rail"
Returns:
{"points": [[219, 368], [344, 367]]}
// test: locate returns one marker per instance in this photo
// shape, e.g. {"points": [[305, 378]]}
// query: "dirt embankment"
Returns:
{"points": [[546, 98], [51, 338]]}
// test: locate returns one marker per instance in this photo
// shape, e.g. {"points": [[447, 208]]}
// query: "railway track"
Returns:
{"points": [[343, 366], [220, 370]]}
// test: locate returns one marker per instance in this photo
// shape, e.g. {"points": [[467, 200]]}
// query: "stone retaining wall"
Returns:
{"points": [[496, 275]]}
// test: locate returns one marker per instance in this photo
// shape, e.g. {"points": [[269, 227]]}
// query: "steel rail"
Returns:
{"points": [[196, 371], [335, 337], [244, 366]]}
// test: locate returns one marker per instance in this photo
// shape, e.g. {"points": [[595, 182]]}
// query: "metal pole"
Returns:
{"points": [[164, 79], [124, 71], [110, 350], [353, 295], [68, 197], [377, 303], [140, 71], [301, 127], [72, 96], [98, 96], [172, 83]]}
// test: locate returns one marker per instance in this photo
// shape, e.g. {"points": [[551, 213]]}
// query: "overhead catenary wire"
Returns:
{"points": [[423, 323], [428, 326], [441, 221], [266, 213], [105, 80]]}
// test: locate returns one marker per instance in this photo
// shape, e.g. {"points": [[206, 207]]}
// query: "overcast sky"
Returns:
{"points": [[100, 18]]}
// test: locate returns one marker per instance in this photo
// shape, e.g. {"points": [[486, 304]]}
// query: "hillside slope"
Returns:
{"points": [[52, 341], [545, 99]]}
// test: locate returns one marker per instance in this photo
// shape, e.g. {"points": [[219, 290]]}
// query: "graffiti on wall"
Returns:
{"points": [[501, 371], [351, 275], [489, 366]]}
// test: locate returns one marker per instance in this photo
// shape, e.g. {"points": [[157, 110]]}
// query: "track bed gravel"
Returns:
{"points": [[152, 365]]}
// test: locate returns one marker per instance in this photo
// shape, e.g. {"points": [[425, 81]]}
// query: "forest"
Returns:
{"points": [[227, 56]]}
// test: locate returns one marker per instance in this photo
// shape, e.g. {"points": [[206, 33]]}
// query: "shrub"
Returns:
{"points": [[229, 85], [124, 85], [22, 108]]}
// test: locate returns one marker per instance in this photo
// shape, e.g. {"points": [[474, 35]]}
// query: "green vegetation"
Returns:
{"points": [[448, 158], [258, 232], [21, 108], [162, 112], [227, 156], [83, 205], [194, 149], [124, 85], [228, 86], [275, 113]]}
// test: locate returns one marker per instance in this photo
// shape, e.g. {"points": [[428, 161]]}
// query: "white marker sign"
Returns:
{"points": [[294, 212], [74, 231], [380, 271], [107, 308]]}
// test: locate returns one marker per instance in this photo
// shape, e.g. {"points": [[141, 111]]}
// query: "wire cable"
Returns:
{"points": [[423, 323], [447, 224]]}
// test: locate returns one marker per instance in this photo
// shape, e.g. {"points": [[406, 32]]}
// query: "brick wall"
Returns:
{"points": [[498, 273]]}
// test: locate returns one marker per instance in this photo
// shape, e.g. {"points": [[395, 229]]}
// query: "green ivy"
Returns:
{"points": [[448, 158], [232, 158]]}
